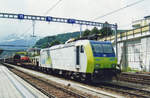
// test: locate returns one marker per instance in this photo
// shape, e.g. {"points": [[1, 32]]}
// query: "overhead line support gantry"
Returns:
{"points": [[60, 20]]}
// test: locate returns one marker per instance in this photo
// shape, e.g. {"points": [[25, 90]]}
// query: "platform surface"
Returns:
{"points": [[12, 86], [75, 85]]}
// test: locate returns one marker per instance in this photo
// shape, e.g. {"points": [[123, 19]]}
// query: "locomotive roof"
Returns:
{"points": [[76, 43], [101, 42]]}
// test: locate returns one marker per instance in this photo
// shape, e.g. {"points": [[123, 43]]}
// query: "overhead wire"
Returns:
{"points": [[50, 9], [53, 6], [117, 10]]}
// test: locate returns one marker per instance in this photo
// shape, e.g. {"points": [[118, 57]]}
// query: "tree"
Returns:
{"points": [[50, 38], [1, 51], [106, 30], [86, 32], [94, 31], [56, 42], [44, 45]]}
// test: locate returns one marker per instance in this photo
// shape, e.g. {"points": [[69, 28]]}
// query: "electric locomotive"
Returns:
{"points": [[82, 59]]}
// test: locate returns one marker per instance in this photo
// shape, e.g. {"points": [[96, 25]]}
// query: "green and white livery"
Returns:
{"points": [[84, 59]]}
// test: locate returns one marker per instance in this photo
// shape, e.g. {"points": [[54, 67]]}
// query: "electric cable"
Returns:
{"points": [[127, 6], [51, 8]]}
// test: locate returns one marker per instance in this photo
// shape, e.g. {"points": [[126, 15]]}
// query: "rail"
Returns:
{"points": [[135, 78], [131, 91], [46, 82]]}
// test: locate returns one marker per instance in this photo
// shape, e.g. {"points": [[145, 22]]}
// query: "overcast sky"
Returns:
{"points": [[78, 9]]}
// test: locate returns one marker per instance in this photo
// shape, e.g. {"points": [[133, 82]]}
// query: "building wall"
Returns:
{"points": [[146, 53], [135, 53]]}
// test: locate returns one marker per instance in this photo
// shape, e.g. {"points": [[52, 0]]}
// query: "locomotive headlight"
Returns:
{"points": [[97, 65], [113, 65], [96, 71]]}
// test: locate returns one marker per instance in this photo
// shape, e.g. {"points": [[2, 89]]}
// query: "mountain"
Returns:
{"points": [[60, 38], [13, 42]]}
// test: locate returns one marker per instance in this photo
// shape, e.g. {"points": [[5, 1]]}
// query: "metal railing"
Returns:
{"points": [[132, 32]]}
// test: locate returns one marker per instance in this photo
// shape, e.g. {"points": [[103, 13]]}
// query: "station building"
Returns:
{"points": [[142, 22]]}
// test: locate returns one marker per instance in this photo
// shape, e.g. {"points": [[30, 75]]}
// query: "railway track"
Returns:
{"points": [[52, 90], [130, 91], [89, 90], [135, 78], [127, 90]]}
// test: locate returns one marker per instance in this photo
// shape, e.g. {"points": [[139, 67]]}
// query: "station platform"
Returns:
{"points": [[12, 86]]}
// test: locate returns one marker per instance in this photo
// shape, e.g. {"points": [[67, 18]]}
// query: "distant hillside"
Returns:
{"points": [[60, 38], [15, 44], [14, 39]]}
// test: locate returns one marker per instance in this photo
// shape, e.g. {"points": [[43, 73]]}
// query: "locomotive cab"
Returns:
{"points": [[105, 61]]}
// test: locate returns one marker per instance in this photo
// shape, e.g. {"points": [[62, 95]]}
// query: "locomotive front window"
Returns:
{"points": [[97, 48], [107, 48], [102, 48]]}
